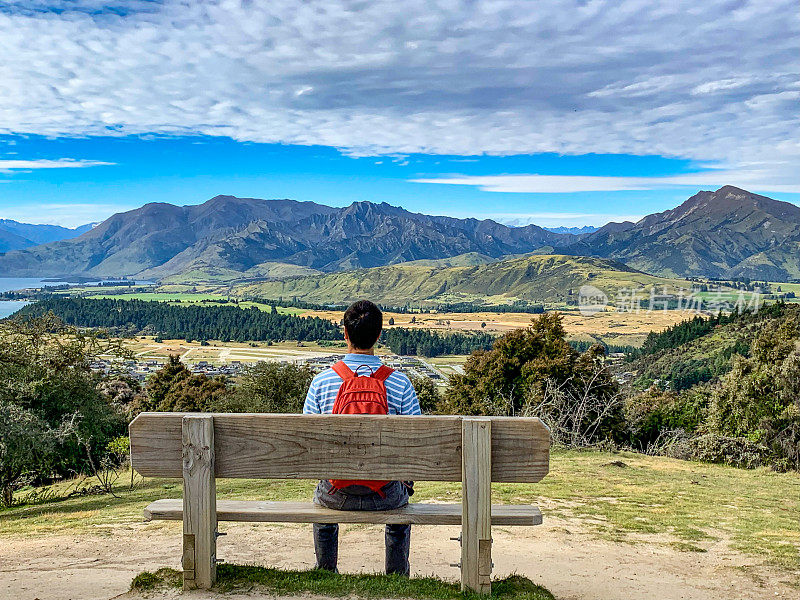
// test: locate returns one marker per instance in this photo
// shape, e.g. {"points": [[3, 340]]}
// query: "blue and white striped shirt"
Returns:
{"points": [[324, 387]]}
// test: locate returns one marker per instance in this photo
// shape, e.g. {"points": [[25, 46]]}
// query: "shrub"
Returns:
{"points": [[738, 452], [51, 397], [269, 387], [27, 447], [536, 371], [427, 393], [651, 413]]}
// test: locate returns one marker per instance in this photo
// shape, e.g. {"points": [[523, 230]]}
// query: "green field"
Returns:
{"points": [[176, 297], [684, 505], [786, 287]]}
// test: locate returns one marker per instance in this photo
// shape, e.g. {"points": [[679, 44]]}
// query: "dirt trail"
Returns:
{"points": [[558, 555]]}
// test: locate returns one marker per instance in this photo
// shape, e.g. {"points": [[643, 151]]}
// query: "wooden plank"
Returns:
{"points": [[306, 512], [199, 503], [476, 528], [266, 446]]}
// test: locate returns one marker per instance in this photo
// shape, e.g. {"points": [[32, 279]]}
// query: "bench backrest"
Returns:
{"points": [[284, 446]]}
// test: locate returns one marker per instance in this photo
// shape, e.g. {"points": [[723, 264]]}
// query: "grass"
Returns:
{"points": [[162, 578], [656, 499], [179, 297], [324, 583]]}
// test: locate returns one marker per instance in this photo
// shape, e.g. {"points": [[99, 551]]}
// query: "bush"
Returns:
{"points": [[27, 448], [651, 413], [750, 417], [175, 388], [738, 452], [55, 422], [269, 387], [427, 393], [536, 371]]}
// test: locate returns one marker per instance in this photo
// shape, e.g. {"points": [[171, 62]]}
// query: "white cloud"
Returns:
{"points": [[750, 179], [11, 165], [709, 81]]}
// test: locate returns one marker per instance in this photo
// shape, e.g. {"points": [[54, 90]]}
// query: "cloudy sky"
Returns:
{"points": [[555, 112]]}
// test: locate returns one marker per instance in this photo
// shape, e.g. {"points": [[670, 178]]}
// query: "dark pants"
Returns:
{"points": [[326, 535]]}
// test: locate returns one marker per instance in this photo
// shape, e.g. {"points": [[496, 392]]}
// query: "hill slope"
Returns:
{"points": [[536, 278], [701, 350], [726, 233], [228, 234]]}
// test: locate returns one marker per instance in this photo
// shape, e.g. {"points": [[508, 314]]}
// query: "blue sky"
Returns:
{"points": [[577, 112]]}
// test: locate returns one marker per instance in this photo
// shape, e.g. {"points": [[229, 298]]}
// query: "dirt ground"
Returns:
{"points": [[570, 562]]}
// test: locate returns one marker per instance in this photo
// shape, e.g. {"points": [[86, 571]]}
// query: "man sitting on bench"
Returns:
{"points": [[361, 384]]}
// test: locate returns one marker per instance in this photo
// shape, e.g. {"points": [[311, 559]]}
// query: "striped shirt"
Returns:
{"points": [[324, 387]]}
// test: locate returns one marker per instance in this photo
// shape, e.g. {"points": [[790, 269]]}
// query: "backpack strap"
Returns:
{"points": [[343, 371], [383, 372]]}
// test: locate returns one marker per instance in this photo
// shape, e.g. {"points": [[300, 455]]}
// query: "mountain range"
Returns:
{"points": [[15, 235], [246, 237], [574, 230], [726, 233], [729, 233]]}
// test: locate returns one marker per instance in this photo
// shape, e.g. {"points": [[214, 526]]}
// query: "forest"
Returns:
{"points": [[424, 342], [205, 322]]}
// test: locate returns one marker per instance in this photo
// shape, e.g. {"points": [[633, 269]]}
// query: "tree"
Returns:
{"points": [[270, 387], [160, 383], [194, 322], [760, 398], [196, 393], [536, 371], [27, 448], [51, 400], [175, 388], [427, 393]]}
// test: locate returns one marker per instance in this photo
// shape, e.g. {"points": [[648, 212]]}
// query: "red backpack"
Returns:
{"points": [[361, 396]]}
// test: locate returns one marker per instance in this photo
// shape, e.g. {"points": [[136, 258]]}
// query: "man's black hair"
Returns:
{"points": [[363, 322]]}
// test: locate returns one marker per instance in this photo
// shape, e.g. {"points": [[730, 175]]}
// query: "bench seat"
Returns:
{"points": [[200, 448], [308, 512]]}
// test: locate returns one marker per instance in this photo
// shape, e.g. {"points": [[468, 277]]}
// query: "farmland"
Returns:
{"points": [[611, 327]]}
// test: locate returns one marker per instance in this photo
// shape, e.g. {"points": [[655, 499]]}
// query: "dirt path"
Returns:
{"points": [[558, 555]]}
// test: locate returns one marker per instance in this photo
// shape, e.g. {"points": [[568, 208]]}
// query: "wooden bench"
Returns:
{"points": [[473, 450]]}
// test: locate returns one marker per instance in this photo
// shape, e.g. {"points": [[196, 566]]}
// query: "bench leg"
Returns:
{"points": [[199, 503], [476, 515]]}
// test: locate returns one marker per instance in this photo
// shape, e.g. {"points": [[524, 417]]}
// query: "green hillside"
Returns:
{"points": [[554, 279], [468, 259], [701, 350]]}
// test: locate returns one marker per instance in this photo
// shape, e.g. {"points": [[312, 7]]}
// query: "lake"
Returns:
{"points": [[9, 307], [8, 284]]}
